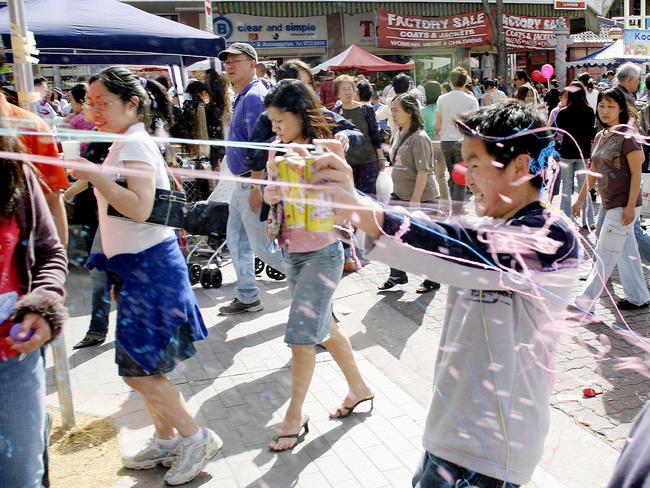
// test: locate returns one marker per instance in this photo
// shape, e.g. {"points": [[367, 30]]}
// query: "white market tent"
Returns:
{"points": [[612, 54]]}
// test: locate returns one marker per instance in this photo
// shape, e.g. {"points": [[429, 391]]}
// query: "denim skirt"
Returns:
{"points": [[313, 277]]}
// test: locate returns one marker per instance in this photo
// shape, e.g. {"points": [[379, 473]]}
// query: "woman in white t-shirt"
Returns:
{"points": [[158, 318]]}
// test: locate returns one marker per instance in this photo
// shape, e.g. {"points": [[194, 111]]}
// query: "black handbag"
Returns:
{"points": [[169, 207]]}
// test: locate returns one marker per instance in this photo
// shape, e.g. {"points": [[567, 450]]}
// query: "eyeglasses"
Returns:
{"points": [[99, 106], [228, 63]]}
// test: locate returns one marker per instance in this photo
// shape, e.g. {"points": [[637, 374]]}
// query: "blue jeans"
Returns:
{"points": [[245, 238], [616, 246], [101, 300], [642, 240], [312, 277], [22, 421], [429, 474], [568, 175]]}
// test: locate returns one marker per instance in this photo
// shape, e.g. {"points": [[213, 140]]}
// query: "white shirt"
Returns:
{"points": [[450, 106], [592, 99], [121, 236]]}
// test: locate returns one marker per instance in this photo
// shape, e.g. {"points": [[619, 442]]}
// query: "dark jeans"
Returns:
{"points": [[365, 177], [101, 300], [451, 153], [429, 474]]}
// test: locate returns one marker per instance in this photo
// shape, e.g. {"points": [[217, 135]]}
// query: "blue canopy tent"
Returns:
{"points": [[109, 32]]}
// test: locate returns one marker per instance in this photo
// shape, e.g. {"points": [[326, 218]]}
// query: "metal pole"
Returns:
{"points": [[62, 381], [209, 26], [23, 77], [24, 84]]}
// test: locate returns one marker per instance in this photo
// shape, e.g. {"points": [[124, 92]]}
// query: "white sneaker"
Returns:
{"points": [[150, 456], [192, 458]]}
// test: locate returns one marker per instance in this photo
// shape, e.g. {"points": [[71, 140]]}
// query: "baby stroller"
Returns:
{"points": [[208, 220]]}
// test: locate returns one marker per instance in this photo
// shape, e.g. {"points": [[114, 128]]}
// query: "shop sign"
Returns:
{"points": [[568, 5], [407, 31], [637, 42], [360, 29], [273, 32], [530, 32]]}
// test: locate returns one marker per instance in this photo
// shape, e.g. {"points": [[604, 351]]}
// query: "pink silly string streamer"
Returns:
{"points": [[209, 175]]}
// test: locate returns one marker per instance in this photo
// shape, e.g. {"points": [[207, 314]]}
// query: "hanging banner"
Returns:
{"points": [[273, 32], [530, 32], [360, 29], [407, 31], [637, 42]]}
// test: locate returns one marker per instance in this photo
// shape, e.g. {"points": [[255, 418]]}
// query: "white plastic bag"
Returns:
{"points": [[645, 194], [384, 186]]}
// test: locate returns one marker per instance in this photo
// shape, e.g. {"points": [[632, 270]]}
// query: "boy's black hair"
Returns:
{"points": [[489, 84], [401, 83], [496, 124], [364, 89], [521, 74], [164, 81], [78, 92]]}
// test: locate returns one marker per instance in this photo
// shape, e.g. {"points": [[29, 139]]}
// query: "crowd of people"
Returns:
{"points": [[516, 150]]}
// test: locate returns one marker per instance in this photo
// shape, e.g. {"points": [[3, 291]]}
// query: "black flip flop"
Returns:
{"points": [[350, 410], [300, 436]]}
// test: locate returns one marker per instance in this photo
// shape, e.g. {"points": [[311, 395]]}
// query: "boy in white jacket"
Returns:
{"points": [[508, 282]]}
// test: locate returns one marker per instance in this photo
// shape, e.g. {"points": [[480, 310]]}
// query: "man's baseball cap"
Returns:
{"points": [[239, 48]]}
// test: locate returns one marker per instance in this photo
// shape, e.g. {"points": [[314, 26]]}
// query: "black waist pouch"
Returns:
{"points": [[169, 208]]}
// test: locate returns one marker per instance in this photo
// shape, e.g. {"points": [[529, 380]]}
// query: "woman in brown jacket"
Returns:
{"points": [[33, 267]]}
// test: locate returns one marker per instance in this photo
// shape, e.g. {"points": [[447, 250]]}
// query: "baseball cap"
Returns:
{"points": [[239, 48]]}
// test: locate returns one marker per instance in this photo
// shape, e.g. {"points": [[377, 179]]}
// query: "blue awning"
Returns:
{"points": [[109, 32]]}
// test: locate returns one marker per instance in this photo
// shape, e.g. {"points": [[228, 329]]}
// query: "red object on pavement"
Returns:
{"points": [[590, 392], [458, 173]]}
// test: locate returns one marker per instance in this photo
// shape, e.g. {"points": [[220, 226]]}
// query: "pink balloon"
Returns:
{"points": [[547, 71]]}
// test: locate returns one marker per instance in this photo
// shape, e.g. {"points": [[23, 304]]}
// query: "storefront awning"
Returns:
{"points": [[427, 9]]}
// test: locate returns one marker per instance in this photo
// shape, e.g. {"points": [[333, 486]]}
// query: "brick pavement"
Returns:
{"points": [[578, 360], [238, 383]]}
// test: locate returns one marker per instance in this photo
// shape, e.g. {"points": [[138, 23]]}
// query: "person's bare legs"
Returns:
{"points": [[166, 405], [340, 348], [164, 430], [303, 362]]}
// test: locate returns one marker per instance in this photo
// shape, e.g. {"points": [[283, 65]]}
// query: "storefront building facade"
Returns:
{"points": [[317, 30]]}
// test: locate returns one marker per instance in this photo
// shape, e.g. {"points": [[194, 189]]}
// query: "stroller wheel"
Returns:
{"points": [[205, 278], [216, 278], [259, 266], [195, 273], [274, 274]]}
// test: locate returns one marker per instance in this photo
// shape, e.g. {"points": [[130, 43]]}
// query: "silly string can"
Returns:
{"points": [[294, 207], [303, 209], [319, 212]]}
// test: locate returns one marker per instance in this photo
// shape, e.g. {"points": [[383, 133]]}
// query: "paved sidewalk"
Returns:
{"points": [[239, 385]]}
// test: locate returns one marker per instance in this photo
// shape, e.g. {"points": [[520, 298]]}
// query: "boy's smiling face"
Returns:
{"points": [[497, 190]]}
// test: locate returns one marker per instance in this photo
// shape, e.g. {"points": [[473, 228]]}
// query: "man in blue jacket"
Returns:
{"points": [[245, 232]]}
